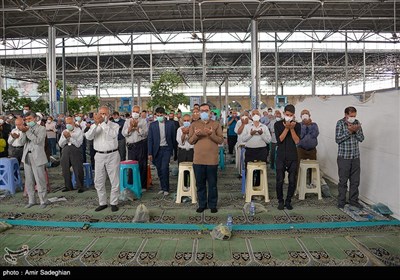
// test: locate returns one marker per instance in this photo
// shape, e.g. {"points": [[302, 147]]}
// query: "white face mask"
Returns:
{"points": [[305, 117], [351, 119], [278, 119], [288, 119], [135, 115], [48, 121], [256, 118], [1, 121]]}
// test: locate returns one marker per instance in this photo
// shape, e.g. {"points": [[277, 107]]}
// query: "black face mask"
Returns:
{"points": [[171, 119]]}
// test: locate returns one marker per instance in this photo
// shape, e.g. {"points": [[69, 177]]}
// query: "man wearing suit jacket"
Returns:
{"points": [[34, 158], [161, 140]]}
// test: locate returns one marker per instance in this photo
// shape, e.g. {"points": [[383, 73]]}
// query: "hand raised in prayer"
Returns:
{"points": [[98, 119], [185, 130], [66, 134], [208, 130], [14, 135]]}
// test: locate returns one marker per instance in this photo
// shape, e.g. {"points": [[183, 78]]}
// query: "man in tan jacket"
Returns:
{"points": [[206, 134]]}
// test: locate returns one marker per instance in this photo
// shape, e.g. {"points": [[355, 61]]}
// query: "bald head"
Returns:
{"points": [[69, 120], [19, 121]]}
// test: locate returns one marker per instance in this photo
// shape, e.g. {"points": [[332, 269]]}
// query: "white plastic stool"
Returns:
{"points": [[183, 190], [306, 164], [262, 189]]}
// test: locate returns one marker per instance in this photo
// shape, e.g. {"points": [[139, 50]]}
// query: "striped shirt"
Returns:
{"points": [[348, 142]]}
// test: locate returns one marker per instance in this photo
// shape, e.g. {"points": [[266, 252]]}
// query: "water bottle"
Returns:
{"points": [[229, 222], [252, 210]]}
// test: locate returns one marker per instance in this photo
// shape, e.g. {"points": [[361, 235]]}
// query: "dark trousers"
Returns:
{"points": [[206, 174], [52, 142], [72, 156], [349, 169], [232, 140], [16, 152], [83, 147], [272, 155], [138, 151], [91, 152], [161, 161], [255, 154], [185, 156], [281, 167], [122, 149]]}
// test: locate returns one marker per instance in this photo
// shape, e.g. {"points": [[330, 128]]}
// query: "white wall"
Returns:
{"points": [[380, 156]]}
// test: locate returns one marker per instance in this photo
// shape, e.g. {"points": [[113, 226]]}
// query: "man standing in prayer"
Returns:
{"points": [[104, 134], [348, 136]]}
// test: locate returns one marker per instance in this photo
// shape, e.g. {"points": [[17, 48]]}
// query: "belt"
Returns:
{"points": [[107, 152], [185, 149], [18, 147]]}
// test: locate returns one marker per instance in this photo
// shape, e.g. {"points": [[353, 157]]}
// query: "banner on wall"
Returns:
{"points": [[195, 100]]}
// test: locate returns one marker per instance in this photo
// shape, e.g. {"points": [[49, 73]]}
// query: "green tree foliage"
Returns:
{"points": [[39, 105], [43, 87], [82, 104], [162, 92], [10, 99]]}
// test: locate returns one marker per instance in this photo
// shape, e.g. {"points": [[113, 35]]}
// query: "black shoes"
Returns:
{"points": [[340, 205], [114, 208], [356, 204], [66, 190], [101, 207], [200, 210], [81, 190], [288, 205], [214, 210]]}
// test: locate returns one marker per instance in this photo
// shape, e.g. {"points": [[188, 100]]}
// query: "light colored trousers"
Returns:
{"points": [[107, 164], [35, 175]]}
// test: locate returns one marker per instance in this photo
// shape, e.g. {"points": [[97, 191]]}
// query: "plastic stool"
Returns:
{"points": [[10, 176], [315, 177], [262, 189], [88, 180], [136, 186], [221, 157], [180, 191]]}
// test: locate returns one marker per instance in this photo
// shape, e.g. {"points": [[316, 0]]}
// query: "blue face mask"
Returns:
{"points": [[204, 116], [160, 118], [31, 124], [186, 124], [78, 119], [70, 127]]}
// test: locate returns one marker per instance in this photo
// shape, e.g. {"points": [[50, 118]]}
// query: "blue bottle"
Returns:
{"points": [[229, 222]]}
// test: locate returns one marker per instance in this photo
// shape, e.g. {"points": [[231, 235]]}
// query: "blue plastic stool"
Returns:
{"points": [[222, 157], [136, 186], [10, 176], [88, 180]]}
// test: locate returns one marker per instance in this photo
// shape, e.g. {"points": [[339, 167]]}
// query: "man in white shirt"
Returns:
{"points": [[104, 134], [16, 147], [135, 131], [71, 141], [256, 137], [185, 149], [240, 124]]}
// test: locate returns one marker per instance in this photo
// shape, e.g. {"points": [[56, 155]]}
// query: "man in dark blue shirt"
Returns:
{"points": [[287, 133], [232, 135]]}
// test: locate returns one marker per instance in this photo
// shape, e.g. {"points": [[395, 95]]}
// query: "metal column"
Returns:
{"points": [[64, 77], [312, 70], [220, 96], [51, 68], [254, 65], [396, 81], [139, 100], [98, 72], [204, 70], [151, 59], [346, 62], [276, 63], [226, 99], [132, 74], [364, 72]]}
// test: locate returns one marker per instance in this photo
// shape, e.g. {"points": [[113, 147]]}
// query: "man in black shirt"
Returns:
{"points": [[287, 133]]}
